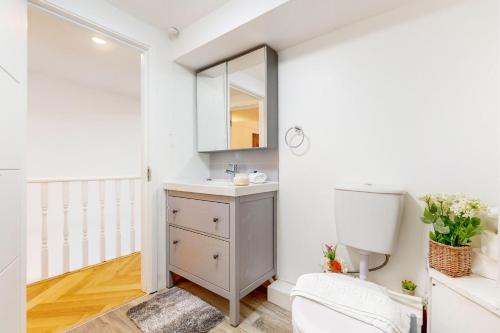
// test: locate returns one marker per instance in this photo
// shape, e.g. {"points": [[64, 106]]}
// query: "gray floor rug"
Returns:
{"points": [[175, 311]]}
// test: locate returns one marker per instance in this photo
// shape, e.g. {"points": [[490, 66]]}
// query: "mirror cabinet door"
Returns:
{"points": [[211, 108], [246, 114]]}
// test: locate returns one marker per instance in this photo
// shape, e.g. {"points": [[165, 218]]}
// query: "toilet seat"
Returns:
{"points": [[311, 317]]}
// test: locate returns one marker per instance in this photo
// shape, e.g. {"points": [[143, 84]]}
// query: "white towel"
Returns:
{"points": [[484, 265], [257, 177], [489, 244], [358, 299], [489, 220]]}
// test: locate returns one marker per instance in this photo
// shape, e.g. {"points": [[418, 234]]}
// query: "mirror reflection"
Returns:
{"points": [[244, 122], [247, 92]]}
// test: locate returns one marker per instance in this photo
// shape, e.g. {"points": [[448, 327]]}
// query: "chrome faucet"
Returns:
{"points": [[233, 169]]}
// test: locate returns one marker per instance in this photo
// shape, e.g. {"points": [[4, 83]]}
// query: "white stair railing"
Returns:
{"points": [[45, 245], [85, 227], [99, 185], [131, 192], [102, 202], [65, 190], [118, 239]]}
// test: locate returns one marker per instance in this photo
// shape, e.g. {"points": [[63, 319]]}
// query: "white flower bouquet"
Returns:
{"points": [[454, 217]]}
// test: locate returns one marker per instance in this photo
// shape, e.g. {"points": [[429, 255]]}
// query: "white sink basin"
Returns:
{"points": [[223, 187], [223, 182]]}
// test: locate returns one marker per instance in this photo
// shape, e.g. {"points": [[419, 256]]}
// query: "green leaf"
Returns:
{"points": [[433, 208], [428, 217], [440, 227], [475, 221]]}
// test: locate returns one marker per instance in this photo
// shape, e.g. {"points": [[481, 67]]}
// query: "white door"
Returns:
{"points": [[11, 279]]}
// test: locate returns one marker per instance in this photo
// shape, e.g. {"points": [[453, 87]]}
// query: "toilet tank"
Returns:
{"points": [[368, 216]]}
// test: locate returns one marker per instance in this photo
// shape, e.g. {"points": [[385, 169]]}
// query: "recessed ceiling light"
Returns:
{"points": [[99, 41]]}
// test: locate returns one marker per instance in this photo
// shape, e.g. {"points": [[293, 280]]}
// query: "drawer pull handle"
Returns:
{"points": [[175, 211], [215, 219], [175, 242], [216, 256]]}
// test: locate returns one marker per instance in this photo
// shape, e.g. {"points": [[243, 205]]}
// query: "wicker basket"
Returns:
{"points": [[450, 260]]}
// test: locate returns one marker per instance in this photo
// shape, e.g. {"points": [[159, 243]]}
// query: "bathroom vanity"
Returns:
{"points": [[222, 237]]}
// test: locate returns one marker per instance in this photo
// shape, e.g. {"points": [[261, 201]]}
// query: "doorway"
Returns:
{"points": [[85, 160]]}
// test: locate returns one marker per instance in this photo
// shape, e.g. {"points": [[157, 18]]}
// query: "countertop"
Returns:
{"points": [[220, 187]]}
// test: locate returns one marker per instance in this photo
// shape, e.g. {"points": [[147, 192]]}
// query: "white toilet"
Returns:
{"points": [[367, 218]]}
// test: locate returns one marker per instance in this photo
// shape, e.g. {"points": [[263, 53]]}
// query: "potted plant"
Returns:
{"points": [[455, 220], [408, 287], [331, 262]]}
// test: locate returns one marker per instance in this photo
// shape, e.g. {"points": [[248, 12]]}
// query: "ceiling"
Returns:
{"points": [[167, 13], [284, 24], [62, 49]]}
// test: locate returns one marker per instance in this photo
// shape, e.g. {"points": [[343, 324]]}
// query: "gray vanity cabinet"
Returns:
{"points": [[225, 244]]}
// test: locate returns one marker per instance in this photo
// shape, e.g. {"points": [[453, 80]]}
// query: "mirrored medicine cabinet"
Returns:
{"points": [[237, 102]]}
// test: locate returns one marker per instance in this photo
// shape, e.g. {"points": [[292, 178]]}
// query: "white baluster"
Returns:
{"points": [[65, 189], [45, 240], [132, 214], [118, 240], [85, 238], [102, 233]]}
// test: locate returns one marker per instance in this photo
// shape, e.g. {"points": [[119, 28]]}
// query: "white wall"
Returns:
{"points": [[405, 98], [248, 161], [76, 130]]}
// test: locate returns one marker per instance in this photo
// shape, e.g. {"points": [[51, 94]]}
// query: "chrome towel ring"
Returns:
{"points": [[298, 131]]}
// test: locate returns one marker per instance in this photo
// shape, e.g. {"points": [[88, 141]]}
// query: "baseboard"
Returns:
{"points": [[278, 293]]}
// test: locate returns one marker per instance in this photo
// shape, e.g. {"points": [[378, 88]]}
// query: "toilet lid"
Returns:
{"points": [[311, 317]]}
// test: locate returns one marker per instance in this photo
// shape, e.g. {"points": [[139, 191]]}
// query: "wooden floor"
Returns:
{"points": [[56, 304], [257, 314]]}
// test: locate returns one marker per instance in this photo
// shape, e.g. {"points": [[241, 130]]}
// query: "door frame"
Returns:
{"points": [[149, 251]]}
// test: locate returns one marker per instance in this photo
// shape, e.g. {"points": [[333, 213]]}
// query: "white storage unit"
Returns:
{"points": [[13, 25], [12, 122], [13, 31], [12, 302], [460, 305], [11, 215]]}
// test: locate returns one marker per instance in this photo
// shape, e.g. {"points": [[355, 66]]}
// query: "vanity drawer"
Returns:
{"points": [[203, 256], [206, 216]]}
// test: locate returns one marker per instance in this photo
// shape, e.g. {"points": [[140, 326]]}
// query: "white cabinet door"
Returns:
{"points": [[13, 29], [10, 216], [211, 96], [12, 121], [12, 294], [451, 312], [11, 309]]}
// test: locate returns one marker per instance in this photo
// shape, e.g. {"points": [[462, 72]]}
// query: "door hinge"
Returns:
{"points": [[148, 173]]}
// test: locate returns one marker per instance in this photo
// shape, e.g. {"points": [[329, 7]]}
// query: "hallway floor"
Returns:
{"points": [[257, 314], [56, 304]]}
